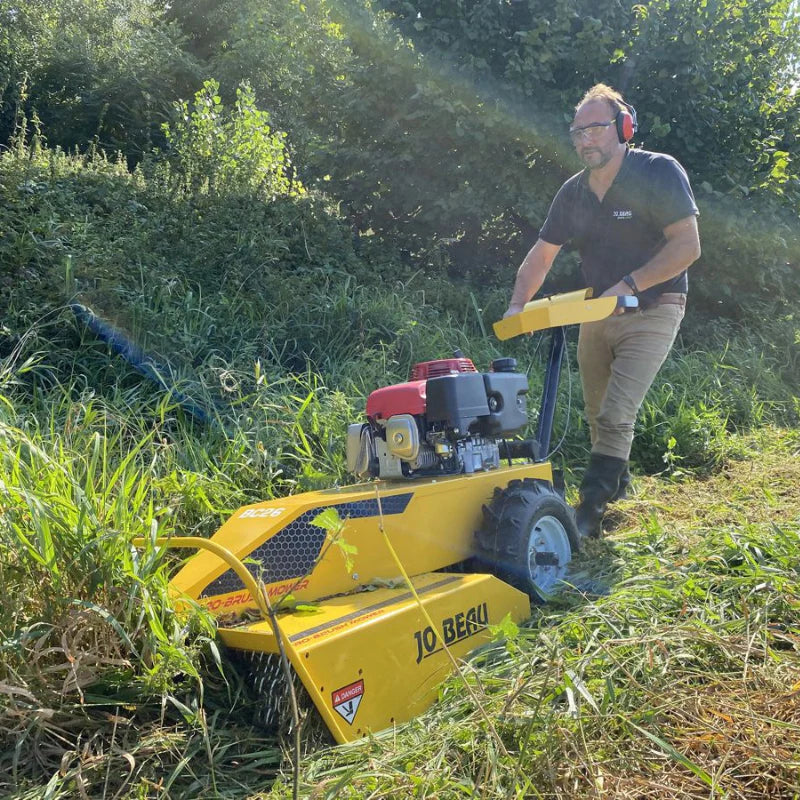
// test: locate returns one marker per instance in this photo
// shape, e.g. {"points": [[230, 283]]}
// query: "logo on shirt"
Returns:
{"points": [[627, 214]]}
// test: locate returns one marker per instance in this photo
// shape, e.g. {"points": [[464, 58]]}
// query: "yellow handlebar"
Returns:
{"points": [[554, 311]]}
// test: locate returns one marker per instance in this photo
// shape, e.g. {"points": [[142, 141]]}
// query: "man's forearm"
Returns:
{"points": [[680, 251], [530, 277], [531, 274]]}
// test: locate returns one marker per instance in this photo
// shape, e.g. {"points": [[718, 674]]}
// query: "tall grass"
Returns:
{"points": [[102, 684], [271, 323], [92, 653], [739, 379]]}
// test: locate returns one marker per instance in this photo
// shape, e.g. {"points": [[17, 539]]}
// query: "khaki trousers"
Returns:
{"points": [[619, 357]]}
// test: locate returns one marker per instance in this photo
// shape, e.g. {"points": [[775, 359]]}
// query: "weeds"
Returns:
{"points": [[666, 671]]}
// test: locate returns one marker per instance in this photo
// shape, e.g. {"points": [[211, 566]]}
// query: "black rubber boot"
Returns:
{"points": [[601, 482], [624, 483]]}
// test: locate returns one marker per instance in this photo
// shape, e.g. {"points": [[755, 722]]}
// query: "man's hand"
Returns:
{"points": [[513, 308], [619, 289]]}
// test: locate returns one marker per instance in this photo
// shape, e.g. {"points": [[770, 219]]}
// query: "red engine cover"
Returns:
{"points": [[441, 366], [403, 398], [410, 398]]}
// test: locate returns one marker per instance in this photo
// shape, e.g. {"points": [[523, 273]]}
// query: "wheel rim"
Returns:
{"points": [[549, 552]]}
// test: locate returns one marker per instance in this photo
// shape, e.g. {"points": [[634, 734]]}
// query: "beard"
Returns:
{"points": [[594, 157]]}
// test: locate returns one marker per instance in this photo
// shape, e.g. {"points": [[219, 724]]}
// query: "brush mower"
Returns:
{"points": [[455, 528]]}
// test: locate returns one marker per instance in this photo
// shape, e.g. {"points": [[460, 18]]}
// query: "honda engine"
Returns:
{"points": [[447, 419]]}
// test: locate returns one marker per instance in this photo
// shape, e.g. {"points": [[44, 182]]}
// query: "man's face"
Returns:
{"points": [[596, 145]]}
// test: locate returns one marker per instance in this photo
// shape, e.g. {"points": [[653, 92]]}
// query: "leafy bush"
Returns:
{"points": [[221, 153], [442, 126], [107, 72]]}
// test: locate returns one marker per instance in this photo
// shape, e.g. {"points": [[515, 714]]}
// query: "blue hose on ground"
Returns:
{"points": [[143, 363]]}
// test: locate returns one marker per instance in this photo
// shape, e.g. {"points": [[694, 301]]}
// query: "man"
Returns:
{"points": [[632, 216]]}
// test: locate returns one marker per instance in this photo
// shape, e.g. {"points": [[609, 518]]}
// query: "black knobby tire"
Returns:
{"points": [[528, 537]]}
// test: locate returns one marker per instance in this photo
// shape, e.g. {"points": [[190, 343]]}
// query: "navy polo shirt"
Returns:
{"points": [[625, 230]]}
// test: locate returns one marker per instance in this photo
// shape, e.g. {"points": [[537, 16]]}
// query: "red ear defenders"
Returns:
{"points": [[626, 122]]}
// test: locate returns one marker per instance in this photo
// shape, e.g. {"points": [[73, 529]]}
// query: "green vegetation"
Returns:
{"points": [[670, 670], [104, 687], [440, 126], [163, 164]]}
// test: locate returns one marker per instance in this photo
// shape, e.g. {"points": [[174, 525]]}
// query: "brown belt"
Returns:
{"points": [[670, 298]]}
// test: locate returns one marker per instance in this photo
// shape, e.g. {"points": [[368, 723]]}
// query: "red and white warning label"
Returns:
{"points": [[347, 700]]}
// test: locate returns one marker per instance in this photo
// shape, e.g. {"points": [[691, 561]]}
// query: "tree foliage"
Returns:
{"points": [[104, 70], [439, 125], [711, 77]]}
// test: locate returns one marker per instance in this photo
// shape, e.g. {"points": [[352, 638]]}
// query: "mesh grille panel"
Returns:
{"points": [[290, 554]]}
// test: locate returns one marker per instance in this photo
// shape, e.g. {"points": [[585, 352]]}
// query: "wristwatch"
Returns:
{"points": [[632, 283]]}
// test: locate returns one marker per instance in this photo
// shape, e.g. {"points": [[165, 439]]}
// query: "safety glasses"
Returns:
{"points": [[591, 131]]}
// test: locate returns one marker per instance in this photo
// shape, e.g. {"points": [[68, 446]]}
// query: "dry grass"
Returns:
{"points": [[762, 488]]}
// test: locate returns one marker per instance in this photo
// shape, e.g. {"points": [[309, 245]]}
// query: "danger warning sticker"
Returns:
{"points": [[347, 700]]}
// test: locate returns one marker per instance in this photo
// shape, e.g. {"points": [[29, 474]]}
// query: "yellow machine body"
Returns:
{"points": [[361, 645], [370, 660], [366, 651], [429, 523]]}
